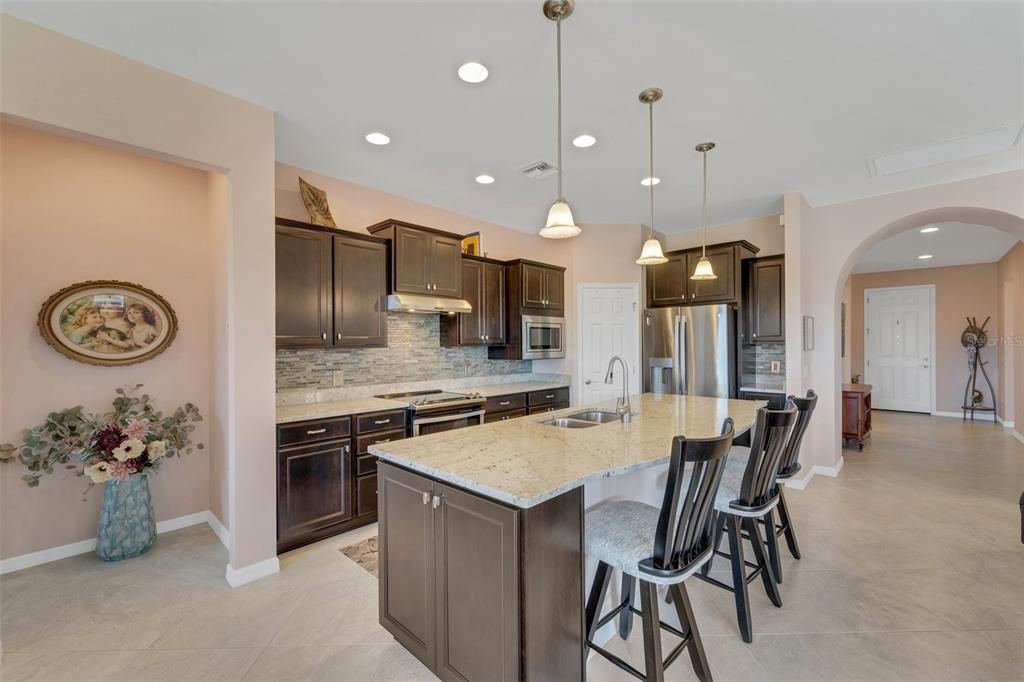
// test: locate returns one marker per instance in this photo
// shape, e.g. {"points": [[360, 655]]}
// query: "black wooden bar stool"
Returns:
{"points": [[747, 494], [659, 547]]}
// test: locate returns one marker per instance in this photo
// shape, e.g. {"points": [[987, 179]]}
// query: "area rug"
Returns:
{"points": [[363, 553]]}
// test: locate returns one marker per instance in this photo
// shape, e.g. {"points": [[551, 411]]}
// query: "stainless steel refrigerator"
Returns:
{"points": [[690, 351]]}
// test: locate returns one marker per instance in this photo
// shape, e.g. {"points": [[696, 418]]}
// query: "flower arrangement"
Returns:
{"points": [[133, 438]]}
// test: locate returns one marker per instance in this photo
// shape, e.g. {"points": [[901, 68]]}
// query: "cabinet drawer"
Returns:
{"points": [[503, 416], [555, 395], [379, 421], [504, 403], [366, 495], [312, 431], [364, 442], [537, 409], [366, 464]]}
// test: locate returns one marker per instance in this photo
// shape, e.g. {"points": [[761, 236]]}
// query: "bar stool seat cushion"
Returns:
{"points": [[621, 534], [732, 478]]}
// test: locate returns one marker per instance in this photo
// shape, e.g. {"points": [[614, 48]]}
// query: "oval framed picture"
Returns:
{"points": [[106, 322]]}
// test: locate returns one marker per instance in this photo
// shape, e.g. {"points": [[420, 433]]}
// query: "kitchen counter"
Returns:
{"points": [[523, 462], [754, 389], [493, 390], [337, 408]]}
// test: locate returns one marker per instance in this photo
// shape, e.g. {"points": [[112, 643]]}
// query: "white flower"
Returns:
{"points": [[156, 450], [130, 449], [98, 472]]}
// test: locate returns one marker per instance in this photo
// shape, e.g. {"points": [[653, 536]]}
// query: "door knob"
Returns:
{"points": [[587, 382]]}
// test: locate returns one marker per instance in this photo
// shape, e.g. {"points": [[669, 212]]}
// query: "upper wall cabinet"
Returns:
{"points": [[536, 288], [483, 286], [423, 260], [669, 284], [303, 262], [331, 287], [765, 299]]}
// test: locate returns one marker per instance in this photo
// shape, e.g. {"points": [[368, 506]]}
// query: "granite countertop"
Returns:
{"points": [[524, 462], [337, 408], [521, 387], [755, 389]]}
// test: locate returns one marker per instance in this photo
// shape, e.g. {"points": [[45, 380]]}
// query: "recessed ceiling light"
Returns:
{"points": [[473, 72], [930, 228], [377, 138], [647, 182], [484, 179], [924, 256], [584, 141]]}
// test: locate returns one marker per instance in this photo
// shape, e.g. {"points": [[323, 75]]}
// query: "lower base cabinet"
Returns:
{"points": [[549, 408], [476, 590]]}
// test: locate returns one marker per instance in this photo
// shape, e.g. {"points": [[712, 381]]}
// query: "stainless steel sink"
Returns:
{"points": [[566, 423], [596, 416]]}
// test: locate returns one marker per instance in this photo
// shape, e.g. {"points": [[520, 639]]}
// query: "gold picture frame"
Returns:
{"points": [[108, 322], [471, 245]]}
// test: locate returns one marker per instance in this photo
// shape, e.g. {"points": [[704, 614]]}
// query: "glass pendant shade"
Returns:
{"points": [[651, 254], [703, 270], [560, 224]]}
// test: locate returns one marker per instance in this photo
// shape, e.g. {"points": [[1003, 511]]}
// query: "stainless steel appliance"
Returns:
{"points": [[690, 351], [437, 411], [543, 337]]}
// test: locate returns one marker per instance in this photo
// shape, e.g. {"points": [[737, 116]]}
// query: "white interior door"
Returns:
{"points": [[898, 347], [609, 325]]}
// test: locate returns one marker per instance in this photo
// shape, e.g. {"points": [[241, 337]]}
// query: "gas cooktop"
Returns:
{"points": [[435, 398]]}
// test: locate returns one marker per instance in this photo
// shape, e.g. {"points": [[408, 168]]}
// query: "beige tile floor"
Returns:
{"points": [[912, 570]]}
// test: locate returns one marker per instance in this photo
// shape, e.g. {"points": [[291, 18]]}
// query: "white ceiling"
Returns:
{"points": [[953, 244], [797, 95]]}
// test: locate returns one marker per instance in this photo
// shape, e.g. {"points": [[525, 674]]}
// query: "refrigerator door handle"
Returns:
{"points": [[679, 361]]}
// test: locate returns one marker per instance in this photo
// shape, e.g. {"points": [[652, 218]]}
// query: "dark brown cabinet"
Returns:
{"points": [[331, 287], [449, 577], [360, 301], [766, 299], [541, 286], [423, 260], [669, 283], [483, 286], [303, 276], [857, 413]]}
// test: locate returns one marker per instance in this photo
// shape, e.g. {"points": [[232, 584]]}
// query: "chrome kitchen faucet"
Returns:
{"points": [[622, 407]]}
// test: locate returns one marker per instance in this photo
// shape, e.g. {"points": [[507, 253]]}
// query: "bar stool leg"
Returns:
{"points": [[761, 557], [689, 626], [626, 615], [787, 524], [719, 525], [595, 601], [772, 540], [739, 576], [652, 632]]}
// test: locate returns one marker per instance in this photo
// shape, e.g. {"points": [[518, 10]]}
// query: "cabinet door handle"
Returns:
{"points": [[324, 336], [379, 422], [552, 395], [437, 501], [339, 336], [313, 432], [382, 440], [503, 403], [426, 498]]}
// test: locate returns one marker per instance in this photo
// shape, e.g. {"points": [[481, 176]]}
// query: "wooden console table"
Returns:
{"points": [[857, 413]]}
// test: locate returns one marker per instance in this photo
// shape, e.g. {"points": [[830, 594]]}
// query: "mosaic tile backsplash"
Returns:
{"points": [[414, 353], [756, 363]]}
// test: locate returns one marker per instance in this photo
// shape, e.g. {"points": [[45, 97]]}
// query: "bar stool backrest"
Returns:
{"points": [[684, 532], [790, 462], [771, 431]]}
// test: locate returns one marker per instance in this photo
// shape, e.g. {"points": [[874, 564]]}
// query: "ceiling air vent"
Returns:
{"points": [[539, 169]]}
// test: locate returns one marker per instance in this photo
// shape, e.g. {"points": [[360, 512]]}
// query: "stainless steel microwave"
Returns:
{"points": [[543, 337]]}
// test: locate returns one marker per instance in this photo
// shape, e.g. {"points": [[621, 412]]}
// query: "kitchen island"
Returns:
{"points": [[481, 533]]}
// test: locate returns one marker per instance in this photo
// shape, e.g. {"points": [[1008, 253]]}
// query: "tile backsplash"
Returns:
{"points": [[757, 362], [414, 353]]}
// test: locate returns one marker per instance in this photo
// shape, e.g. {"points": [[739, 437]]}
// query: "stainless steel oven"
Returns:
{"points": [[425, 424], [543, 337]]}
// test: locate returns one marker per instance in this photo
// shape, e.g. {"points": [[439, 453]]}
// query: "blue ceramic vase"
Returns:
{"points": [[127, 523]]}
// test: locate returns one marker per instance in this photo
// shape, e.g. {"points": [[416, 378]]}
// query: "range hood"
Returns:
{"points": [[415, 303]]}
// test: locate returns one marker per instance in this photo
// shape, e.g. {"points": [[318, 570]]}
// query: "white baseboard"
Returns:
{"points": [[247, 574], [817, 469], [801, 483], [940, 413], [222, 533], [1018, 436], [1007, 424], [45, 556]]}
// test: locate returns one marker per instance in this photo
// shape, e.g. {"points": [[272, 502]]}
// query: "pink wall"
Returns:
{"points": [[961, 291], [1011, 331], [74, 211], [764, 233], [50, 80]]}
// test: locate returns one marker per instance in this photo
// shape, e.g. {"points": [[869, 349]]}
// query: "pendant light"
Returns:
{"points": [[704, 270], [651, 253], [560, 223]]}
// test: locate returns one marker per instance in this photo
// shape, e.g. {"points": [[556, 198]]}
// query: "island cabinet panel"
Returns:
{"points": [[360, 299], [303, 277], [477, 590], [423, 260], [406, 561], [477, 564], [314, 489]]}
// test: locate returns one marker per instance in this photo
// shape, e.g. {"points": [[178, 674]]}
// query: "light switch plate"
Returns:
{"points": [[776, 367]]}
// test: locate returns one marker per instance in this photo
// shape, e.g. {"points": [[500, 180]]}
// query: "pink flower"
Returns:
{"points": [[136, 428], [121, 471]]}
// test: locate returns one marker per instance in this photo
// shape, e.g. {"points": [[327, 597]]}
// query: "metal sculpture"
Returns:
{"points": [[974, 338]]}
